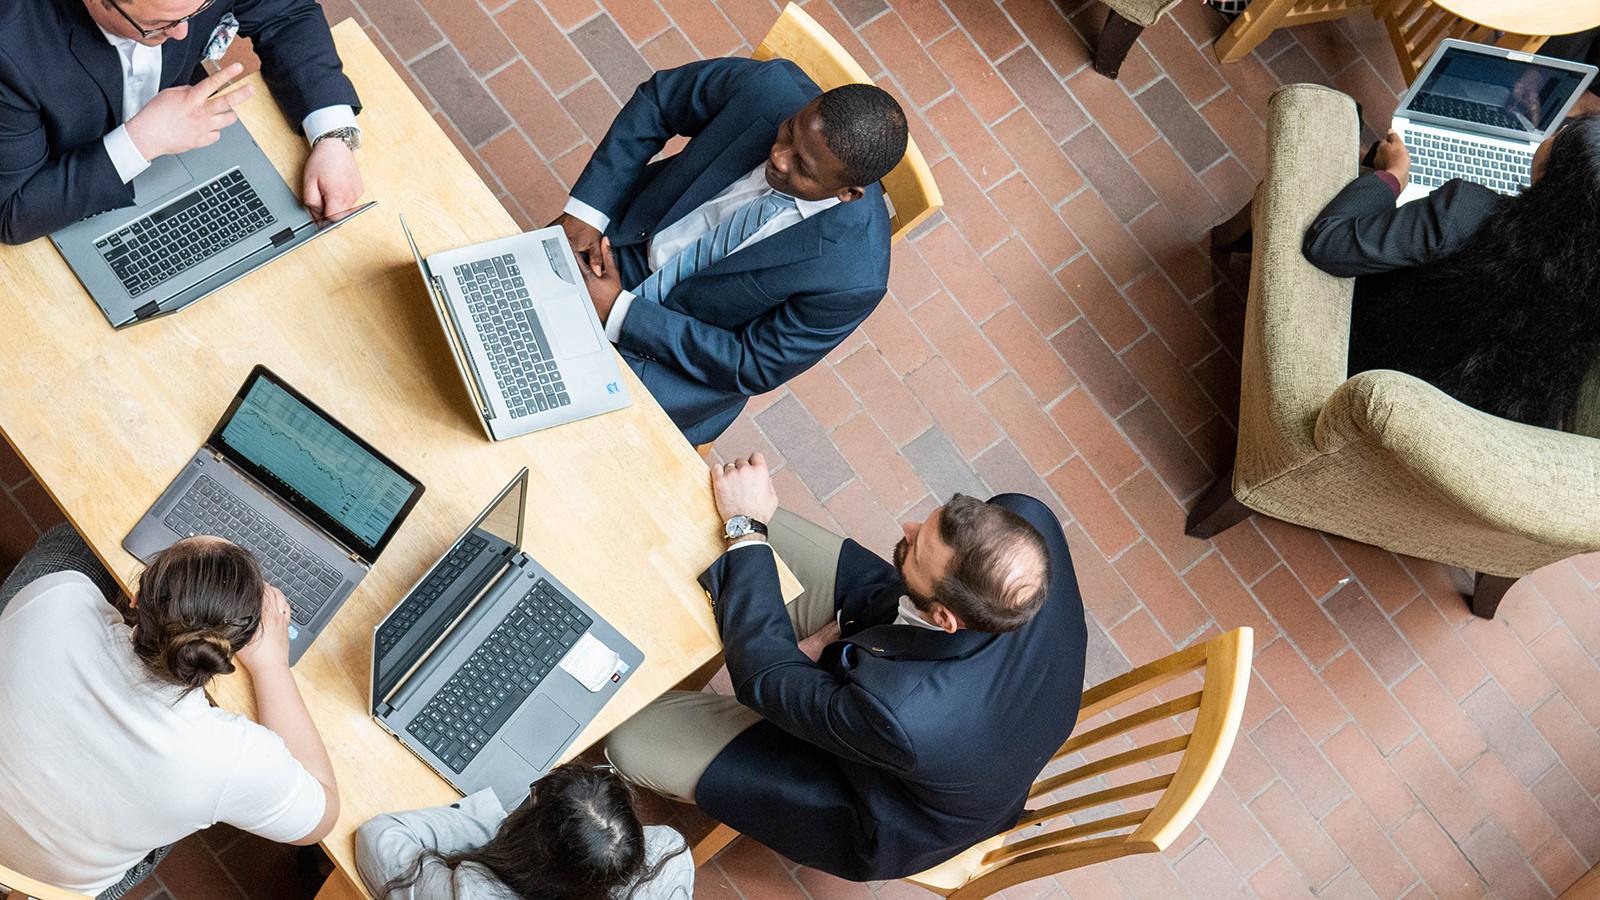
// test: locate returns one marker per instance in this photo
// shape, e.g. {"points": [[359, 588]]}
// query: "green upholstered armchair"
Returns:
{"points": [[1382, 458]]}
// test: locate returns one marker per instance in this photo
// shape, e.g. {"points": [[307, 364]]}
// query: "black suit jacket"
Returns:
{"points": [[764, 314], [902, 746], [61, 92]]}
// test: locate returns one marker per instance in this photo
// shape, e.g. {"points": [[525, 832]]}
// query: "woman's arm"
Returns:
{"points": [[388, 846]]}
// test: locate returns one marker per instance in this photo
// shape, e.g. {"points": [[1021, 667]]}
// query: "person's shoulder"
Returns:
{"points": [[1030, 508], [63, 597]]}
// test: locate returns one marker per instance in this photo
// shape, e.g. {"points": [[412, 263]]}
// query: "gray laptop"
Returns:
{"points": [[489, 667], [523, 332], [1478, 112], [200, 221], [278, 476]]}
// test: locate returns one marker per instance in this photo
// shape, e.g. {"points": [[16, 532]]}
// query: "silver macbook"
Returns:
{"points": [[1478, 112], [524, 334], [200, 221], [489, 667], [281, 478]]}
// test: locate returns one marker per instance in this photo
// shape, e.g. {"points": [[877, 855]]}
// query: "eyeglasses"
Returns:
{"points": [[147, 33]]}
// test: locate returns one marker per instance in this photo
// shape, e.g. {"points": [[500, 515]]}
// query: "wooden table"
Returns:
{"points": [[619, 508]]}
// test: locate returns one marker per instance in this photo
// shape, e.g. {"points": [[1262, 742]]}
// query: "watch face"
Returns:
{"points": [[737, 526]]}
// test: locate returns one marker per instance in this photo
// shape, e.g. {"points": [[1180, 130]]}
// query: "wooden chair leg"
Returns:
{"points": [[1234, 235], [708, 846], [1116, 39], [1487, 592], [1217, 511]]}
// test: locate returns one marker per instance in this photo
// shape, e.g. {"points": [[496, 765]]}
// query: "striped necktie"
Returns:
{"points": [[714, 244]]}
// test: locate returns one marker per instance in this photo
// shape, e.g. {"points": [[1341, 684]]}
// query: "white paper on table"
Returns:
{"points": [[591, 662]]}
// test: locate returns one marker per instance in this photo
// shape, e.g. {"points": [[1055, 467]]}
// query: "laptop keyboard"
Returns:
{"points": [[519, 354], [422, 599], [1467, 111], [209, 508], [481, 696], [1437, 158], [185, 233]]}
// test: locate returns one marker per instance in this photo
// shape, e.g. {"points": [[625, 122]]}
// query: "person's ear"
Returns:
{"points": [[133, 600], [941, 616], [847, 194]]}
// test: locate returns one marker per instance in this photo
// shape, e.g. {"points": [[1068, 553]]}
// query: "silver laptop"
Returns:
{"points": [[523, 332], [278, 476], [200, 221], [1478, 112], [489, 667]]}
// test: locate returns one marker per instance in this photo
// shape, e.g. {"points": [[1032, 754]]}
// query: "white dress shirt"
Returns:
{"points": [[141, 77], [677, 237]]}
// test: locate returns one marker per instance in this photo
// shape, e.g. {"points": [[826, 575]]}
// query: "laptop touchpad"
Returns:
{"points": [[568, 325], [165, 175], [539, 732]]}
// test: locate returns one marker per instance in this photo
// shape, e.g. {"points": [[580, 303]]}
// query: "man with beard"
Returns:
{"points": [[894, 714]]}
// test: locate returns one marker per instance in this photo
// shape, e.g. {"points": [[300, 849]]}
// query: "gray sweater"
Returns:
{"points": [[388, 845]]}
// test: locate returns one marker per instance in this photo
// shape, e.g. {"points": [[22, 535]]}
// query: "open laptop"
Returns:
{"points": [[200, 221], [523, 332], [1478, 112], [489, 667], [278, 476]]}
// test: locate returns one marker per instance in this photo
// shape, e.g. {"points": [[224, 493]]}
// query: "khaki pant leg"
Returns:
{"points": [[812, 553], [668, 745]]}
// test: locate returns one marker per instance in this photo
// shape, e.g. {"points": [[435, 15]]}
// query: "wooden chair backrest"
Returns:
{"points": [[798, 38], [23, 887], [1417, 26], [1128, 768]]}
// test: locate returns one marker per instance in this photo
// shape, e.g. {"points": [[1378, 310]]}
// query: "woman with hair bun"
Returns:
{"points": [[109, 750]]}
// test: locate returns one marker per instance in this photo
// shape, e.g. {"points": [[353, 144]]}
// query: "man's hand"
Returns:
{"points": [[1392, 157], [743, 488], [585, 240], [603, 288], [187, 116], [270, 647], [332, 179]]}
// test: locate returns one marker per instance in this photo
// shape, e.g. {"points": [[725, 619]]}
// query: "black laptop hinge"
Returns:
{"points": [[147, 310], [283, 237]]}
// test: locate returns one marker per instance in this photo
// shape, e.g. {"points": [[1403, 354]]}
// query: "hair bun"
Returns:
{"points": [[193, 658]]}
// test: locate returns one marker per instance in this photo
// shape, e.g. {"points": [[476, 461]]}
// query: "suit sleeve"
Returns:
{"points": [[1362, 232], [768, 351], [771, 676], [298, 59], [673, 102]]}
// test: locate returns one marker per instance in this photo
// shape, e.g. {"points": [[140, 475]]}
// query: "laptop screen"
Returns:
{"points": [[1492, 90], [316, 464]]}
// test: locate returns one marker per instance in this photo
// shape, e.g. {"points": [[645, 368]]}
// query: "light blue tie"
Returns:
{"points": [[714, 244]]}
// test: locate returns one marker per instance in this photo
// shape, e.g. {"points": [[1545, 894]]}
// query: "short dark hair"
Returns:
{"points": [[865, 128], [999, 575]]}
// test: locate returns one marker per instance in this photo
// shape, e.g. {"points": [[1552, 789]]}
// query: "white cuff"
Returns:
{"points": [[326, 119], [746, 542], [619, 311], [585, 213], [124, 155]]}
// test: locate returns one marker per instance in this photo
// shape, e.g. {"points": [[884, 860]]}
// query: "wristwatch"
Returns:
{"points": [[742, 526], [350, 136]]}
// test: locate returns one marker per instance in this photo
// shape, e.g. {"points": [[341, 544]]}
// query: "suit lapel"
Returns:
{"points": [[910, 643], [95, 54], [173, 56]]}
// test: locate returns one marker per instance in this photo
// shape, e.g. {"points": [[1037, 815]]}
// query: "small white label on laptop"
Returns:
{"points": [[591, 662]]}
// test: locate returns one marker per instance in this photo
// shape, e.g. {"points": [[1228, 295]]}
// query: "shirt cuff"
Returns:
{"points": [[585, 213], [127, 159], [1389, 178], [747, 542], [326, 119], [619, 311]]}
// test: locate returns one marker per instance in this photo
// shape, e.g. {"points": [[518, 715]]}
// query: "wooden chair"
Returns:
{"points": [[22, 887], [1044, 841], [1417, 26], [798, 38]]}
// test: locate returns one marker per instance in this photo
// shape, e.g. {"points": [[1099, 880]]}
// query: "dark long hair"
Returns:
{"points": [[199, 605], [1510, 323], [578, 840]]}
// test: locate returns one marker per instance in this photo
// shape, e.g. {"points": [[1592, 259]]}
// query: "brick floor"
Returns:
{"points": [[1058, 330]]}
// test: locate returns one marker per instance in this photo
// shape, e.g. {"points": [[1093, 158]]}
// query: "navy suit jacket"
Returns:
{"points": [[61, 92], [901, 747], [761, 315]]}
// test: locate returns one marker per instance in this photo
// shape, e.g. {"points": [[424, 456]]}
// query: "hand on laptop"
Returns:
{"points": [[270, 646], [1394, 158], [185, 117], [585, 240], [603, 288], [332, 179]]}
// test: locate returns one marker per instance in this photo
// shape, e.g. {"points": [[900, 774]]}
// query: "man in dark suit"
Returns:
{"points": [[92, 90], [895, 714], [738, 263]]}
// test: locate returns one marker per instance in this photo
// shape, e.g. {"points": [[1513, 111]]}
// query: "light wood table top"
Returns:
{"points": [[1539, 17], [619, 507]]}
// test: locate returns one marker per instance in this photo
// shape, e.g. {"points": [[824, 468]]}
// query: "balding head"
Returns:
{"points": [[989, 567]]}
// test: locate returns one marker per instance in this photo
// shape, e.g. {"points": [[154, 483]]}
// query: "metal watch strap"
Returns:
{"points": [[350, 136]]}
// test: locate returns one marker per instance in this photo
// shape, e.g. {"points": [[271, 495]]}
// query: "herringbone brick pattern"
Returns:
{"points": [[1059, 330]]}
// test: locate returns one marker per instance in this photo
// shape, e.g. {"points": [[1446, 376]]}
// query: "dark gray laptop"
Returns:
{"points": [[488, 667], [200, 221], [278, 476]]}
